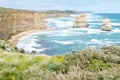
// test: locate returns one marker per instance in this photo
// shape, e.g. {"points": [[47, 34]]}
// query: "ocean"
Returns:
{"points": [[62, 38]]}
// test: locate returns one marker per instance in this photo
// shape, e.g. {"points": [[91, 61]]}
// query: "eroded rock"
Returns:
{"points": [[81, 21], [106, 25]]}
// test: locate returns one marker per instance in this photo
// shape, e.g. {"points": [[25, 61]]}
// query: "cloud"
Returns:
{"points": [[91, 5]]}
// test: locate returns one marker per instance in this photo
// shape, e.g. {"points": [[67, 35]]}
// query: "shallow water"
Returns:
{"points": [[63, 38]]}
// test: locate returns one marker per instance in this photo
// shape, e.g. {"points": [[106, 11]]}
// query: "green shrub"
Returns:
{"points": [[99, 65], [54, 67], [115, 50], [4, 45]]}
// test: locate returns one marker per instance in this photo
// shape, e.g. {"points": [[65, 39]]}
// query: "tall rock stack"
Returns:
{"points": [[81, 22], [106, 25]]}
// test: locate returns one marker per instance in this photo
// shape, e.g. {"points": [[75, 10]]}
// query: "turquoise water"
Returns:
{"points": [[62, 38]]}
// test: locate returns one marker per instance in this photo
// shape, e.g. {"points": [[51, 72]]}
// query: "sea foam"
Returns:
{"points": [[64, 42]]}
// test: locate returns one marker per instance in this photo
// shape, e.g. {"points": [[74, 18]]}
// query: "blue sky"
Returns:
{"points": [[106, 6]]}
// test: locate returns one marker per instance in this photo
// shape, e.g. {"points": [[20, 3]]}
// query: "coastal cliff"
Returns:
{"points": [[14, 21]]}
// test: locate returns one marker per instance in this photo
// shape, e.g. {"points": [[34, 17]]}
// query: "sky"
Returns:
{"points": [[104, 6]]}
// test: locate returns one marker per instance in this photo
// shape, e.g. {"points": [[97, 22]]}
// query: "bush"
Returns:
{"points": [[4, 45]]}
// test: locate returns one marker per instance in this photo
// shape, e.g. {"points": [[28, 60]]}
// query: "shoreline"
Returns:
{"points": [[15, 38]]}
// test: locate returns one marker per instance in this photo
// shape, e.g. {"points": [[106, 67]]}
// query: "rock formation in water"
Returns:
{"points": [[81, 22], [106, 25]]}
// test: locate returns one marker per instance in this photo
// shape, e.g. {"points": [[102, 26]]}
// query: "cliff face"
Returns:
{"points": [[13, 22]]}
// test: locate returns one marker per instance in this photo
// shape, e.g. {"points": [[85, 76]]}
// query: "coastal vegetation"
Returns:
{"points": [[6, 46], [89, 64]]}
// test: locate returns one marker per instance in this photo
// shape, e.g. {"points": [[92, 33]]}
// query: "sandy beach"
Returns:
{"points": [[15, 39]]}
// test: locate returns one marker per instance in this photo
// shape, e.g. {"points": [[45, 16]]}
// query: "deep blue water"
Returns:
{"points": [[62, 38]]}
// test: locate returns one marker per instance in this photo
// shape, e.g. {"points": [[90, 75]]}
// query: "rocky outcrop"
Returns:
{"points": [[81, 22], [106, 25]]}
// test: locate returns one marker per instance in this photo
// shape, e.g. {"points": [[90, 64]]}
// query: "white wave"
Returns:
{"points": [[95, 41], [83, 31], [78, 29], [73, 15], [65, 32], [37, 45], [102, 42], [94, 31], [22, 44], [28, 48], [116, 30], [95, 23], [60, 33], [63, 24], [64, 42], [69, 32], [116, 24], [27, 44], [43, 32], [41, 50], [36, 50]]}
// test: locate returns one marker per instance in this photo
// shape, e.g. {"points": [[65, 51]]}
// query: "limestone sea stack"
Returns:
{"points": [[81, 21], [106, 25]]}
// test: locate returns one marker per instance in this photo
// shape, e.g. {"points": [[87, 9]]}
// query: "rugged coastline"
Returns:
{"points": [[15, 21], [88, 64]]}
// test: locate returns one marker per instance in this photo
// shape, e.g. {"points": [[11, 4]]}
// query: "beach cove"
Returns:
{"points": [[64, 39]]}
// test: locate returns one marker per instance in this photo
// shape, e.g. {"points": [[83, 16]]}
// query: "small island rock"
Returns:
{"points": [[106, 25], [81, 21]]}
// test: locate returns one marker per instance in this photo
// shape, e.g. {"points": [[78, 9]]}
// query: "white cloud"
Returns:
{"points": [[91, 5]]}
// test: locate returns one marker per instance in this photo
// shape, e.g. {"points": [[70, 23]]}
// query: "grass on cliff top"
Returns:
{"points": [[18, 66], [89, 64]]}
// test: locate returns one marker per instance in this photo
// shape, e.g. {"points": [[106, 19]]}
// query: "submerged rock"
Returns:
{"points": [[81, 22], [106, 25]]}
